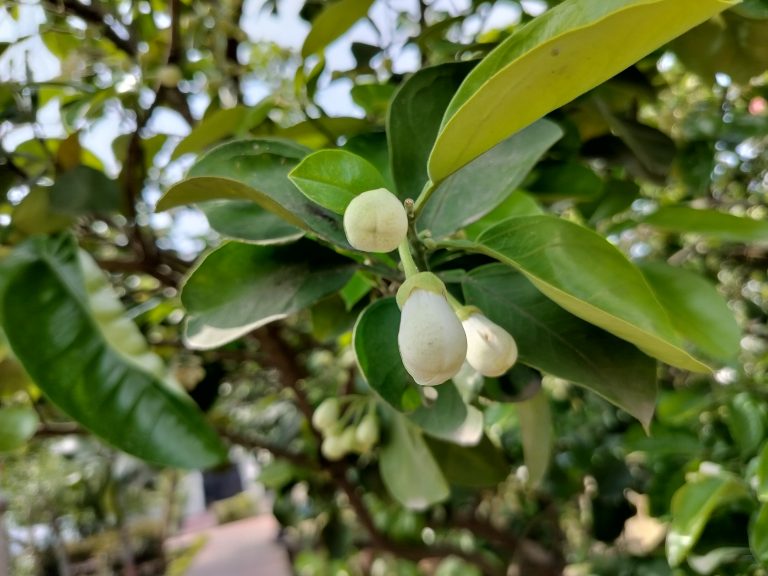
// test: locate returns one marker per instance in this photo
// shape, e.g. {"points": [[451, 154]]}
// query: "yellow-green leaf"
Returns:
{"points": [[558, 56]]}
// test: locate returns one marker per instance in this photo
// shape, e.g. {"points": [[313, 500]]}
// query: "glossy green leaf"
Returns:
{"points": [[248, 222], [414, 121], [516, 205], [255, 170], [558, 343], [335, 19], [692, 506], [698, 312], [535, 418], [375, 344], [373, 147], [480, 466], [82, 190], [17, 425], [483, 184], [407, 467], [568, 50], [758, 536], [710, 223], [239, 287], [332, 178], [221, 124], [51, 328], [590, 278]]}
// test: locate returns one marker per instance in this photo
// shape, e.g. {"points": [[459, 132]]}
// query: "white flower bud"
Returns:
{"points": [[431, 340], [491, 350], [326, 415], [333, 447], [367, 433], [375, 221]]}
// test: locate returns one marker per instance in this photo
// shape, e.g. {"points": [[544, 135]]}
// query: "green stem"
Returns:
{"points": [[409, 266], [426, 192], [455, 304]]}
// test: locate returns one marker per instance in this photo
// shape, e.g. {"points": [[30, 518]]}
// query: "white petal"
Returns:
{"points": [[491, 350]]}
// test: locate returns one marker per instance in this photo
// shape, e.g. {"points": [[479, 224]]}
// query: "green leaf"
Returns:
{"points": [[49, 324], [692, 506], [566, 180], [332, 22], [762, 474], [590, 278], [558, 343], [373, 147], [746, 422], [545, 64], [332, 178], [17, 425], [537, 434], [414, 121], [239, 287], [222, 124], [758, 536], [481, 466], [248, 222], [407, 467], [710, 223], [698, 312], [375, 344], [445, 415], [516, 205], [82, 190], [255, 170], [483, 184]]}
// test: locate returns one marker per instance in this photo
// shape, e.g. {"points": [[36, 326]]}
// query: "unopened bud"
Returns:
{"points": [[326, 415], [431, 339], [375, 221], [491, 350]]}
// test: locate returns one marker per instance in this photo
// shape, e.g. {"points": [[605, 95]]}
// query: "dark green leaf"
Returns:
{"points": [[698, 312], [414, 120], [692, 505], [17, 425], [375, 344], [568, 180], [332, 178], [240, 287], [373, 147], [255, 170], [445, 415], [407, 467], [516, 205], [249, 222], [558, 343], [758, 536], [710, 223], [82, 190], [746, 422], [49, 324], [483, 184], [481, 466]]}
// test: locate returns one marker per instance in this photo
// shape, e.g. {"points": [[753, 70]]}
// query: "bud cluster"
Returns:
{"points": [[341, 434], [436, 336]]}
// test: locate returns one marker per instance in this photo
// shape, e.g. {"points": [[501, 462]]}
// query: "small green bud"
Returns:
{"points": [[375, 221], [326, 415], [333, 448], [367, 433]]}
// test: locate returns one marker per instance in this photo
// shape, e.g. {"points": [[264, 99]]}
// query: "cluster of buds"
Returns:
{"points": [[436, 333], [435, 337], [341, 436]]}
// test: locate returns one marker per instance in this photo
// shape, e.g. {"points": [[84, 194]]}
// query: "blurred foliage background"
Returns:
{"points": [[106, 104]]}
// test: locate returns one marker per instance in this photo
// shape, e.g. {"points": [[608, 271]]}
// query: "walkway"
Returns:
{"points": [[244, 548]]}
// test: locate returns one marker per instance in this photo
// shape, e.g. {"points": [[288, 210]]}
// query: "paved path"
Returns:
{"points": [[244, 548]]}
